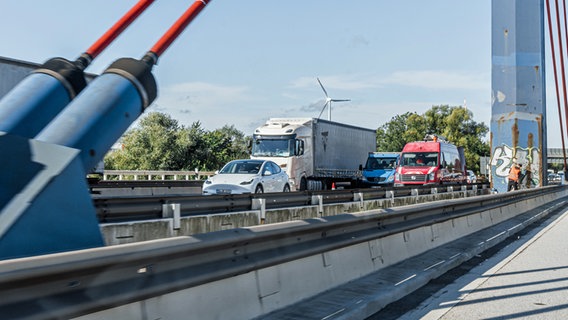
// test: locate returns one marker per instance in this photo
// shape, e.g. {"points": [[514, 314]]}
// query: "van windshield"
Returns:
{"points": [[419, 159], [382, 163]]}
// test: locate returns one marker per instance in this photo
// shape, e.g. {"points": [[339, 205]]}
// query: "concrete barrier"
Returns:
{"points": [[287, 290], [312, 269], [129, 232]]}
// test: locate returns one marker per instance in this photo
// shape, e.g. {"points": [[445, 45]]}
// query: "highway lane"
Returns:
{"points": [[527, 279]]}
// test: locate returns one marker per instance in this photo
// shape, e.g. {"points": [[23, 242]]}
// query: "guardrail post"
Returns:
{"points": [[390, 194], [259, 204], [450, 189], [172, 210], [318, 199], [358, 196], [414, 192], [434, 191]]}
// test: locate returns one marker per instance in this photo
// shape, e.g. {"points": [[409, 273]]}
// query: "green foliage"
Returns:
{"points": [[393, 135], [454, 123], [160, 143]]}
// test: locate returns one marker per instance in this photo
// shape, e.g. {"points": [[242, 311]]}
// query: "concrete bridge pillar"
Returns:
{"points": [[518, 111]]}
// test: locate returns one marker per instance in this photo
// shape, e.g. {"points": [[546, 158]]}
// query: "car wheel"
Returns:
{"points": [[286, 188], [258, 189]]}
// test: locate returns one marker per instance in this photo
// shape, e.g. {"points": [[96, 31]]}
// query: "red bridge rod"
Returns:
{"points": [[116, 29], [177, 28]]}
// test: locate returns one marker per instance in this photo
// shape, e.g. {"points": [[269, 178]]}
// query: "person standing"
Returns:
{"points": [[514, 173]]}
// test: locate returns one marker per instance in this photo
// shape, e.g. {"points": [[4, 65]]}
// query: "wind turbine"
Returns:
{"points": [[328, 102]]}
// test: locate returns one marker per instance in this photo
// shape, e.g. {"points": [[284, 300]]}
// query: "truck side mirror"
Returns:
{"points": [[299, 147]]}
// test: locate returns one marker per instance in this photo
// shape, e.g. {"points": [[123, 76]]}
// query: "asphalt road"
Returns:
{"points": [[528, 279]]}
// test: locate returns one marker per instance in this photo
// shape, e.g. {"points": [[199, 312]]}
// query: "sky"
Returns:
{"points": [[242, 62]]}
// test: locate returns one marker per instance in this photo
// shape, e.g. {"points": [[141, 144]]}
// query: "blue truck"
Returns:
{"points": [[380, 168]]}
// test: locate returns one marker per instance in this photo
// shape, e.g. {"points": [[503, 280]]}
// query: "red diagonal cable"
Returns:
{"points": [[564, 87], [561, 54], [118, 27], [112, 33], [166, 40], [553, 51]]}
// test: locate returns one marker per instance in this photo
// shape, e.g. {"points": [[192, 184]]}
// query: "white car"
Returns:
{"points": [[247, 176]]}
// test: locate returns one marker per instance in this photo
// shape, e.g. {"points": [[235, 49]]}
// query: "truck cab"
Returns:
{"points": [[380, 168], [433, 161]]}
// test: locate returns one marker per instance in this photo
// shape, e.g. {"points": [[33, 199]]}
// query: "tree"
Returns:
{"points": [[393, 135], [160, 143], [151, 146], [454, 123], [223, 145]]}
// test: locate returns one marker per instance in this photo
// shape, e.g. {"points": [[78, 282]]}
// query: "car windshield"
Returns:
{"points": [[419, 159], [272, 148], [382, 163], [242, 167]]}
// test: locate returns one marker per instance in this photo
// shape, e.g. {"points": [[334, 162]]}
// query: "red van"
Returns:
{"points": [[433, 161]]}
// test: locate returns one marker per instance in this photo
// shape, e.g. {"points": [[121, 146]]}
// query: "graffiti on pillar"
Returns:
{"points": [[502, 160]]}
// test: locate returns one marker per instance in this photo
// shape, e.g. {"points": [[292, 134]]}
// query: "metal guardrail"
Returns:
{"points": [[155, 175], [117, 209], [112, 184], [72, 284]]}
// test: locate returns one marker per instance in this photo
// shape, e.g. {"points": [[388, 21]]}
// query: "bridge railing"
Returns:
{"points": [[155, 175], [265, 264]]}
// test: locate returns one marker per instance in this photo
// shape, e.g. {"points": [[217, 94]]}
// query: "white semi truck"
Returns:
{"points": [[315, 153]]}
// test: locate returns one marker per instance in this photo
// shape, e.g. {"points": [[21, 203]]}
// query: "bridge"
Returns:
{"points": [[332, 266], [362, 258]]}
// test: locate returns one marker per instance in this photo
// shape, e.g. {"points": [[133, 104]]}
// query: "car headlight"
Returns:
{"points": [[207, 181], [391, 178], [247, 182]]}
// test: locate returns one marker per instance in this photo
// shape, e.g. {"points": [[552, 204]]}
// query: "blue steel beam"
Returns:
{"points": [[518, 111], [101, 113], [45, 205], [39, 97]]}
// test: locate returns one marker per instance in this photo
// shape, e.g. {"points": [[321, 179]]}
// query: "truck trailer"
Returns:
{"points": [[315, 153]]}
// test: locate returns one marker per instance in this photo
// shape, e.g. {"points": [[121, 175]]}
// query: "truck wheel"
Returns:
{"points": [[258, 189], [314, 185], [303, 184]]}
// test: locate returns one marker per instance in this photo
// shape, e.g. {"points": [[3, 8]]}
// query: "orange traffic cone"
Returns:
{"points": [[333, 186]]}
